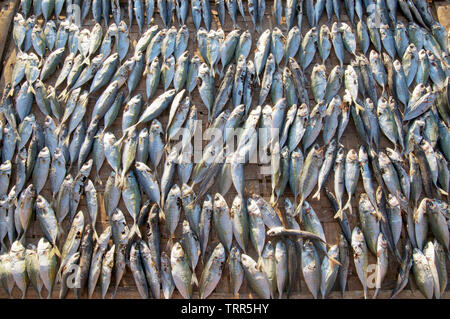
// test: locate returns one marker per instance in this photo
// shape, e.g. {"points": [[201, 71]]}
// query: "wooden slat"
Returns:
{"points": [[7, 11]]}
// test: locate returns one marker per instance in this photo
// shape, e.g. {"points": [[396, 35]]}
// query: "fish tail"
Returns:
{"points": [[31, 89], [97, 179], [118, 180], [58, 129], [298, 210], [63, 92], [70, 167], [127, 98], [94, 233], [4, 249], [22, 237], [113, 294], [258, 28], [100, 135], [443, 192], [317, 194], [11, 92], [122, 179], [90, 292], [169, 244], [87, 61], [125, 133], [376, 293], [339, 214], [349, 205], [135, 230], [334, 261], [64, 96], [194, 279], [260, 263], [56, 250], [273, 199]]}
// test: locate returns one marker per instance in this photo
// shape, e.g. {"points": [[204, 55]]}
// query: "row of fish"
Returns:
{"points": [[143, 11], [376, 96]]}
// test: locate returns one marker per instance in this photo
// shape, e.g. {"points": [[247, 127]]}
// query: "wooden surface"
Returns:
{"points": [[255, 182], [7, 11]]}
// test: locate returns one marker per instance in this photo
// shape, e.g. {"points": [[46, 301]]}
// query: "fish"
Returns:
{"points": [[212, 271], [32, 268], [86, 249], [360, 257], [329, 270], [96, 261], [18, 266], [106, 271], [382, 263], [256, 278], [138, 271], [150, 269], [311, 267], [281, 261], [422, 273], [222, 221], [181, 272]]}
